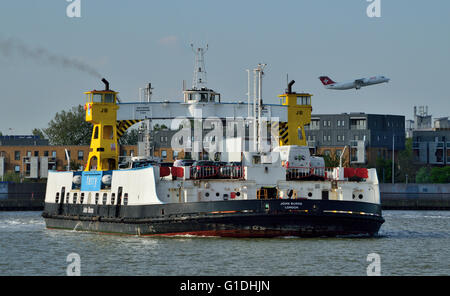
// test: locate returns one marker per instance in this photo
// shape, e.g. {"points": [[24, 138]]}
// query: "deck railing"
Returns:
{"points": [[217, 172], [298, 173]]}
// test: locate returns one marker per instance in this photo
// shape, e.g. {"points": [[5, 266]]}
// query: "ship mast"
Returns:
{"points": [[146, 126], [199, 81]]}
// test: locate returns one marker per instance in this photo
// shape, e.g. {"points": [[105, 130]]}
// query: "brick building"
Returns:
{"points": [[32, 157]]}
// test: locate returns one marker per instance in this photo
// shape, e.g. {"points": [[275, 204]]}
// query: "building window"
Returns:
{"points": [[164, 154], [315, 124], [358, 123], [338, 123], [105, 196], [16, 155], [54, 154], [17, 169], [45, 153], [131, 152], [36, 153], [28, 153], [80, 154], [327, 152]]}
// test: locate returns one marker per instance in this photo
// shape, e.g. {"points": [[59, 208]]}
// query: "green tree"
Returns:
{"points": [[384, 170], [69, 128], [440, 175], [406, 163], [158, 127], [38, 132], [130, 137], [423, 175], [333, 160], [74, 165], [11, 177]]}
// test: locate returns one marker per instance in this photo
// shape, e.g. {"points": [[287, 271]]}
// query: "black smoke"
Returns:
{"points": [[14, 47]]}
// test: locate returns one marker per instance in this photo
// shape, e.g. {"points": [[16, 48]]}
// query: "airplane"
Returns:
{"points": [[357, 84]]}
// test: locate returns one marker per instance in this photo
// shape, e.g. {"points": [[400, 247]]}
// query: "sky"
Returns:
{"points": [[56, 58]]}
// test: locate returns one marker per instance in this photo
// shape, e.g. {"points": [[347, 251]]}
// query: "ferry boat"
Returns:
{"points": [[284, 192]]}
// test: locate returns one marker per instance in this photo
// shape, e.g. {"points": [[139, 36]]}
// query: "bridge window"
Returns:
{"points": [[203, 97], [109, 98], [97, 98], [303, 100]]}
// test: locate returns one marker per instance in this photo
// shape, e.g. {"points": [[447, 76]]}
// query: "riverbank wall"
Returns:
{"points": [[22, 196], [415, 196]]}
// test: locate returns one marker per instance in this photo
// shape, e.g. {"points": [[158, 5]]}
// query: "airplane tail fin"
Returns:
{"points": [[326, 80]]}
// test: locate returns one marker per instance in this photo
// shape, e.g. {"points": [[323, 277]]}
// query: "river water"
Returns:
{"points": [[409, 243]]}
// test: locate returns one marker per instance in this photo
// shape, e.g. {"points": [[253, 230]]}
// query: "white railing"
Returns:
{"points": [[298, 173]]}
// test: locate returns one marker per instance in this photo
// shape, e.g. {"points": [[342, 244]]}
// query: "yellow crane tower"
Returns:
{"points": [[299, 111], [101, 111]]}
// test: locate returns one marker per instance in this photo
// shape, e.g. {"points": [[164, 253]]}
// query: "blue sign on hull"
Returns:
{"points": [[91, 181]]}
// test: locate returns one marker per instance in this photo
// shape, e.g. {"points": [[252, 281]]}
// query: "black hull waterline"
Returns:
{"points": [[235, 218]]}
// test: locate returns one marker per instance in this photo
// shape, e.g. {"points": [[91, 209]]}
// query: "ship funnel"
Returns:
{"points": [[289, 89], [106, 83]]}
